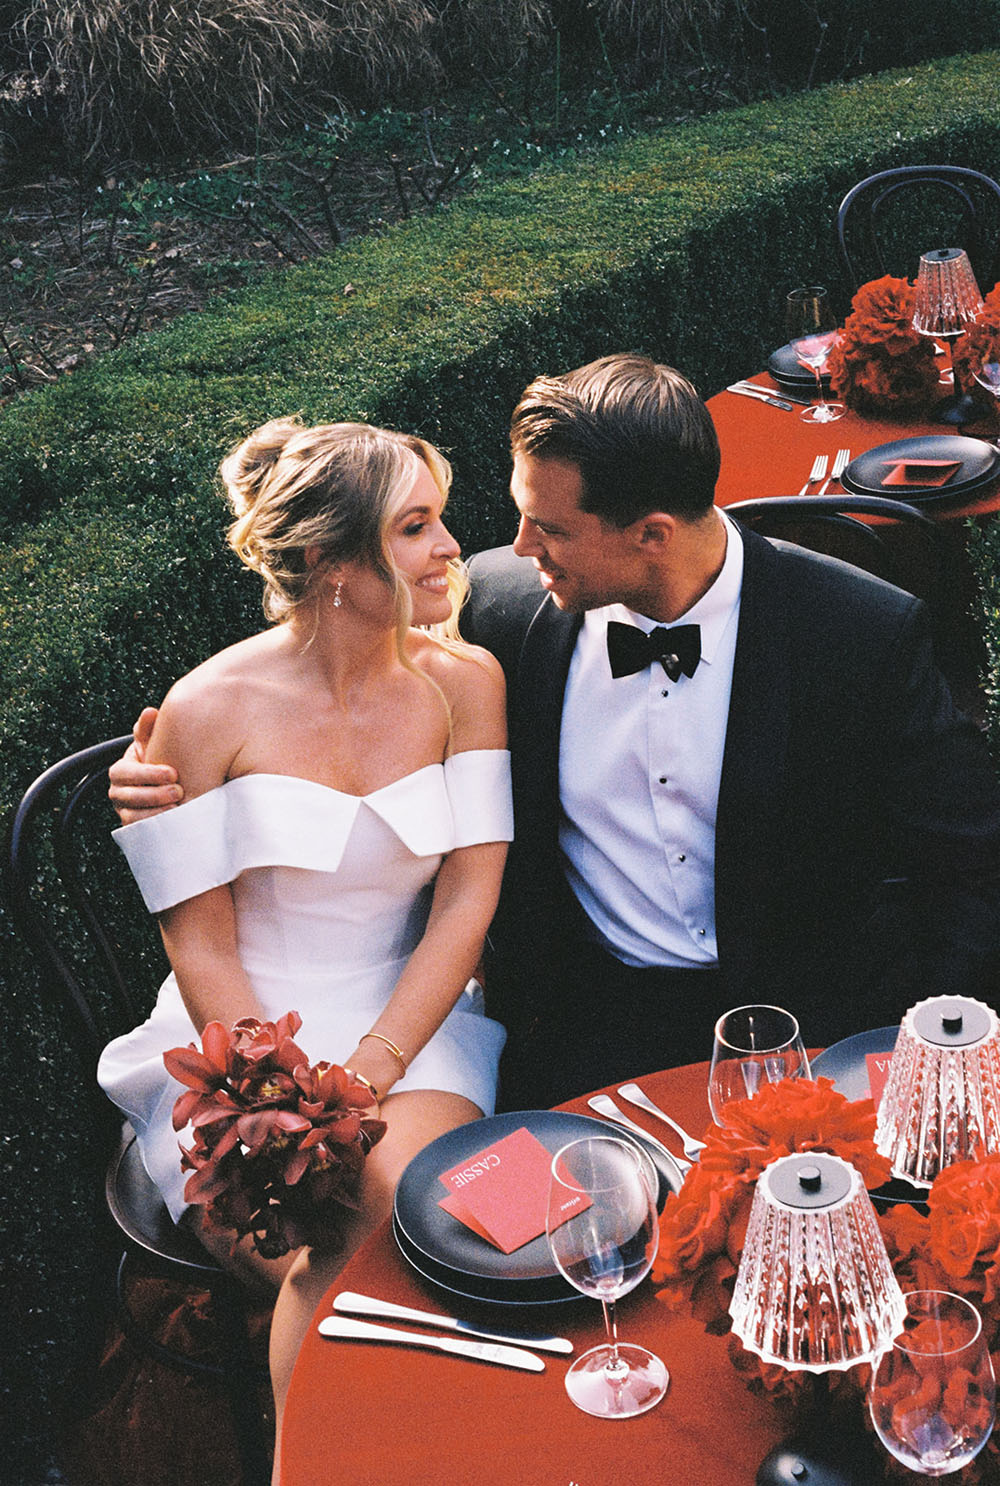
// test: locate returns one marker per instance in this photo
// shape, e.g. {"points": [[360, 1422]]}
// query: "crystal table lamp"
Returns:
{"points": [[941, 1101], [946, 303], [815, 1292]]}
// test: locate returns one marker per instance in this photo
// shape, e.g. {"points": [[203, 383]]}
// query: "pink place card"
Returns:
{"points": [[878, 1072], [502, 1192], [929, 472]]}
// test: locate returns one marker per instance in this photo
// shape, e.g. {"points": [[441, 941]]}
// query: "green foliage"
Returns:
{"points": [[113, 573]]}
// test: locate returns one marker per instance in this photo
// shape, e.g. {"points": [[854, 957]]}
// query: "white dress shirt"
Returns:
{"points": [[640, 759]]}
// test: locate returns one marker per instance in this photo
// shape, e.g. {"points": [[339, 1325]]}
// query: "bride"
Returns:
{"points": [[344, 827]]}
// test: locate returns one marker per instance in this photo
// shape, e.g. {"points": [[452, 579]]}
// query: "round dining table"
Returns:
{"points": [[367, 1412], [768, 451]]}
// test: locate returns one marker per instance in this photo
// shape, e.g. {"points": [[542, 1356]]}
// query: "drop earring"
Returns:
{"points": [[336, 593]]}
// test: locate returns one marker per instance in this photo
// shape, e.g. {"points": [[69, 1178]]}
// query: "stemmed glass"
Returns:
{"points": [[753, 1045], [604, 1249], [812, 334], [932, 1396]]}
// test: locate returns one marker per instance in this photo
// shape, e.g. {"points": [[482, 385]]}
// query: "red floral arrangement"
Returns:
{"points": [[955, 1246], [880, 364], [279, 1144], [981, 342], [703, 1228]]}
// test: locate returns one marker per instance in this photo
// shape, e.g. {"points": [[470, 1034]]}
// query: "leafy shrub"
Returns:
{"points": [[126, 76]]}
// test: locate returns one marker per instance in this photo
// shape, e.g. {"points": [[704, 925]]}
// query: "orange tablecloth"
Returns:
{"points": [[362, 1412], [767, 451]]}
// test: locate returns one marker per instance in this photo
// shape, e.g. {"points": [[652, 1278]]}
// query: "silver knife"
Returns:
{"points": [[762, 396], [353, 1304], [340, 1326]]}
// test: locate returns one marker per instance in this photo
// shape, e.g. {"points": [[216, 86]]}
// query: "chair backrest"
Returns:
{"points": [[888, 220], [58, 867], [835, 523]]}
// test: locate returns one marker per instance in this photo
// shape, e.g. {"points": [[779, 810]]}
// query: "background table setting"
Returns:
{"points": [[745, 1391]]}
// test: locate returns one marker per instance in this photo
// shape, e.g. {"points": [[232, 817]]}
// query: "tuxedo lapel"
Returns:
{"points": [[747, 848], [543, 667]]}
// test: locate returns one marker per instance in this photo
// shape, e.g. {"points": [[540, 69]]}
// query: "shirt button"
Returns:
{"points": [[701, 931], [682, 857], [664, 692], [663, 778]]}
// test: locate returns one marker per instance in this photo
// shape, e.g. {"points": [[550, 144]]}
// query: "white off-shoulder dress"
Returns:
{"points": [[332, 895]]}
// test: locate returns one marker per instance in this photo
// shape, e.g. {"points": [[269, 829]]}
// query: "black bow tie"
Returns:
{"points": [[678, 650]]}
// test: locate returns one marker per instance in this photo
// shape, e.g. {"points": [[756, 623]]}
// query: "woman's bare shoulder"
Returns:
{"points": [[202, 720], [472, 681]]}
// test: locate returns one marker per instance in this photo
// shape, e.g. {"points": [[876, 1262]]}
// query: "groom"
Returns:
{"points": [[775, 801]]}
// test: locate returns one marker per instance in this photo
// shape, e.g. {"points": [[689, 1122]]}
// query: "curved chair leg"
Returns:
{"points": [[242, 1381]]}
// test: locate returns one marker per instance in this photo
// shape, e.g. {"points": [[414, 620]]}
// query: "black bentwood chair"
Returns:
{"points": [[888, 220], [837, 525], [98, 1005]]}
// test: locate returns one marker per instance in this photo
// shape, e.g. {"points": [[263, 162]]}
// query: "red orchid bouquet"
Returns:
{"points": [[279, 1144], [880, 364]]}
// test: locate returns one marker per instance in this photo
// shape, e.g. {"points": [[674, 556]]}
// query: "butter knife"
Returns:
{"points": [[761, 396], [340, 1326], [354, 1304]]}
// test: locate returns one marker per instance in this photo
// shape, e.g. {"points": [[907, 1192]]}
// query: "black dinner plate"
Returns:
{"points": [[788, 371], [845, 1063], [451, 1255], [979, 466]]}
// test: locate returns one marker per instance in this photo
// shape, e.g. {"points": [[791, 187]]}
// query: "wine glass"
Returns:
{"points": [[812, 334], [753, 1045], [932, 1396], [604, 1248]]}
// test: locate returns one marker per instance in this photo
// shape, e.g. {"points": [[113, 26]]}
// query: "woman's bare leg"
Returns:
{"points": [[413, 1120]]}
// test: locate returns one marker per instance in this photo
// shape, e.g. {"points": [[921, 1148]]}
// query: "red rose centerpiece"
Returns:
{"points": [[880, 364], [279, 1144], [981, 342], [702, 1230]]}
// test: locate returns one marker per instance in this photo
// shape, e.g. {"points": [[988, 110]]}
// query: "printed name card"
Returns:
{"points": [[502, 1192], [878, 1072]]}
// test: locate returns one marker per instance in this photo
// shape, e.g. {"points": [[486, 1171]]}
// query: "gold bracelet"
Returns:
{"points": [[360, 1078], [390, 1045]]}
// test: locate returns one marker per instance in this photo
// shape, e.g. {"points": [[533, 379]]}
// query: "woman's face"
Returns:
{"points": [[421, 547]]}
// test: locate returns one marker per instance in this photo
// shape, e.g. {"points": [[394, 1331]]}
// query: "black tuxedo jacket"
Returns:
{"points": [[857, 858]]}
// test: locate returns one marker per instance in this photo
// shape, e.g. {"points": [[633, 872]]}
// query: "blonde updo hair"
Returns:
{"points": [[334, 488]]}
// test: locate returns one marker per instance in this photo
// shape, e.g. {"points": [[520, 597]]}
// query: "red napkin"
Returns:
{"points": [[502, 1192], [921, 471]]}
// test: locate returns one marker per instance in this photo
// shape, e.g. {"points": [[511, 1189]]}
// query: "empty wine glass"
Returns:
{"points": [[812, 334], [754, 1045], [604, 1249], [932, 1396]]}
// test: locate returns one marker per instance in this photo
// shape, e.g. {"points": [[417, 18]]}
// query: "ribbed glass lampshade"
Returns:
{"points": [[941, 1101], [947, 295], [815, 1290]]}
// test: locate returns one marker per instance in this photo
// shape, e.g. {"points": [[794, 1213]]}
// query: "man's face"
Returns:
{"points": [[583, 562]]}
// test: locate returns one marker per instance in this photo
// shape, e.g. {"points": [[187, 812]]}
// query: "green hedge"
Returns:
{"points": [[113, 575]]}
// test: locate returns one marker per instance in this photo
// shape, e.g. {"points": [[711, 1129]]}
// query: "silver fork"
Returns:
{"points": [[604, 1105], [634, 1095], [840, 463], [816, 473]]}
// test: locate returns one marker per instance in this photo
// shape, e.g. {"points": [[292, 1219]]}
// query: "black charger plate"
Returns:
{"points": [[444, 1251], [979, 461]]}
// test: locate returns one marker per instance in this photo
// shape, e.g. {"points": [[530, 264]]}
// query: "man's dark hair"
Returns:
{"points": [[638, 432]]}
